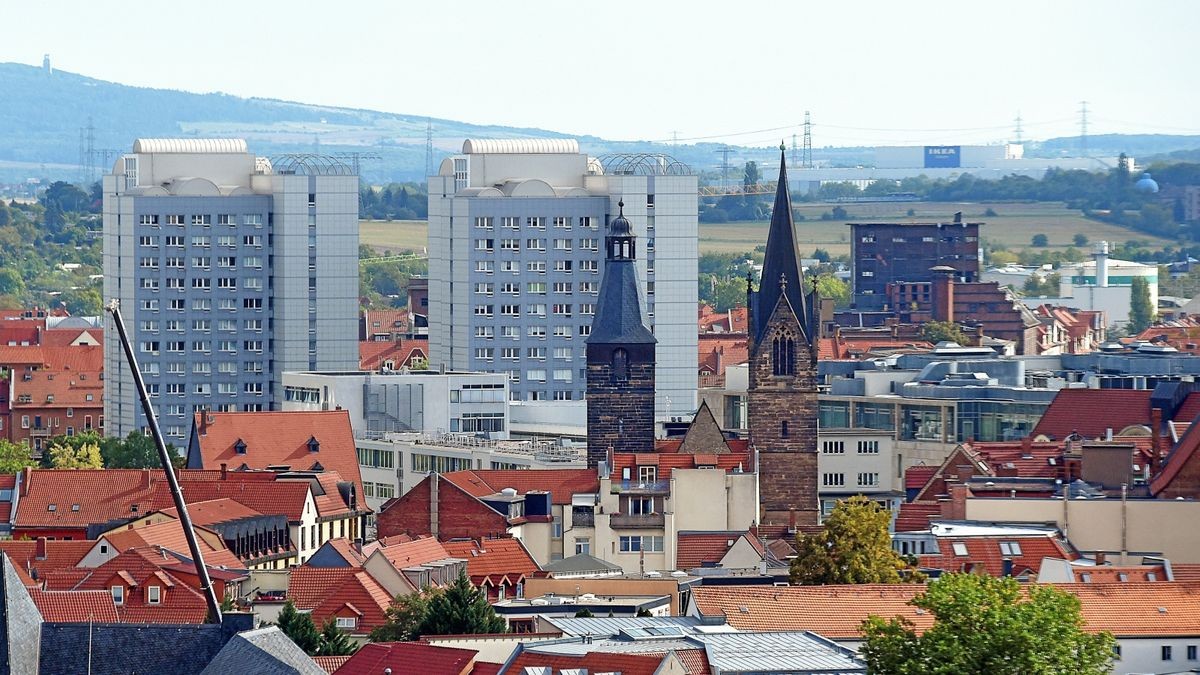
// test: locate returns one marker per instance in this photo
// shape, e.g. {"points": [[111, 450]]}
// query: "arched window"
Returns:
{"points": [[620, 365], [783, 356], [790, 357]]}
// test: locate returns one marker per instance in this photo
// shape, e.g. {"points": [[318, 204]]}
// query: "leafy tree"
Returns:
{"points": [[14, 456], [299, 627], [853, 548], [1080, 239], [1042, 287], [990, 212], [821, 254], [829, 286], [404, 617], [985, 624], [1002, 257], [1141, 314], [461, 609], [82, 456], [135, 451], [643, 612], [1040, 241], [334, 641], [11, 282], [944, 331], [750, 175], [584, 613]]}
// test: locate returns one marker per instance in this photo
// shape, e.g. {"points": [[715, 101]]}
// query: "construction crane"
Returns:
{"points": [[164, 457]]}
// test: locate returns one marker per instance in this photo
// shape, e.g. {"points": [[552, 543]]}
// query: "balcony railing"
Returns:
{"points": [[636, 520], [641, 487]]}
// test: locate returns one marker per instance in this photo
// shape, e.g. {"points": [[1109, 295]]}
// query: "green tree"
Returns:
{"points": [[333, 641], [11, 282], [829, 286], [69, 456], [404, 617], [750, 175], [135, 451], [1141, 314], [584, 613], [853, 548], [461, 609], [985, 624], [14, 456], [1040, 241], [1080, 239], [944, 331], [299, 627]]}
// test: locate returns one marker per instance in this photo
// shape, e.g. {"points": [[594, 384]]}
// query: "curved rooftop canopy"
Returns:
{"points": [[310, 164], [190, 145], [520, 146], [643, 164]]}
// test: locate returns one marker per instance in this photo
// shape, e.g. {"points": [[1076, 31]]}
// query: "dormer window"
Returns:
{"points": [[52, 507], [313, 444], [240, 447], [118, 595], [154, 595]]}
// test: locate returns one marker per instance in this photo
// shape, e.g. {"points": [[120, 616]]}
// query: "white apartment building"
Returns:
{"points": [[515, 263], [229, 270]]}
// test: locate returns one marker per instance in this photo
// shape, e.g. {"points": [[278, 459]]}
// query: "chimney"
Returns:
{"points": [[792, 521], [146, 479], [25, 476], [943, 293], [224, 471], [40, 549], [1155, 432], [958, 501], [203, 423], [358, 544], [1101, 256], [1100, 558]]}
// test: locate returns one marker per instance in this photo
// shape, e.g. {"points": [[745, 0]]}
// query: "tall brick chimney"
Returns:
{"points": [[943, 292], [39, 551], [1156, 417]]}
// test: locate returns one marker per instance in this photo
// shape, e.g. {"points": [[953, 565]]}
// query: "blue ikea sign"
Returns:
{"points": [[943, 156]]}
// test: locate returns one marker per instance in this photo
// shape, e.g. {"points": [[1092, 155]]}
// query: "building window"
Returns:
{"points": [[647, 474], [347, 622], [868, 479], [1166, 652], [960, 549], [1010, 548], [583, 545], [868, 447], [783, 429], [1191, 652], [154, 595], [118, 595], [620, 365], [783, 356], [833, 479]]}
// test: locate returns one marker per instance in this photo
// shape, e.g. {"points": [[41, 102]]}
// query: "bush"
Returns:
{"points": [[1080, 240], [1040, 240], [990, 212]]}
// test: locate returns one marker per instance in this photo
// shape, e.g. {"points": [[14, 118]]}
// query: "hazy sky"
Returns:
{"points": [[744, 72]]}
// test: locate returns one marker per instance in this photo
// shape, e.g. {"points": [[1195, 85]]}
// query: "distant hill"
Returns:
{"points": [[41, 114]]}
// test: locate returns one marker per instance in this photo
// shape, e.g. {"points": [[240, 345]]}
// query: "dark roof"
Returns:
{"points": [[21, 622], [266, 651], [581, 562], [782, 259], [618, 318]]}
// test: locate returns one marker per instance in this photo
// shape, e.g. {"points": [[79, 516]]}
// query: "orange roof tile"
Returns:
{"points": [[169, 535], [58, 389], [345, 548], [373, 355], [276, 438], [560, 483], [697, 548], [412, 553], [1091, 412], [360, 593], [308, 586], [666, 462], [75, 606], [915, 477], [330, 663], [214, 511], [408, 658], [58, 554], [915, 516], [493, 558], [139, 569], [983, 553], [599, 662], [718, 350]]}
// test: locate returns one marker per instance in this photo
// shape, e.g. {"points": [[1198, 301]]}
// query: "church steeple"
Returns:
{"points": [[782, 262], [619, 308]]}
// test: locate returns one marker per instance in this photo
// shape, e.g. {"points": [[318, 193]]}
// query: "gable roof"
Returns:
{"points": [[704, 435], [276, 438], [560, 483], [362, 594], [590, 662], [137, 568], [408, 658], [493, 558], [75, 606], [1092, 412], [265, 651], [58, 555], [169, 535], [697, 548], [412, 553], [668, 461], [985, 554], [214, 511], [308, 586], [373, 355]]}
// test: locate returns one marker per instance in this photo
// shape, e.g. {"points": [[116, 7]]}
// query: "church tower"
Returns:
{"points": [[620, 355], [782, 396]]}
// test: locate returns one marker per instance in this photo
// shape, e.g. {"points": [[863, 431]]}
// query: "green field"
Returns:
{"points": [[1013, 225]]}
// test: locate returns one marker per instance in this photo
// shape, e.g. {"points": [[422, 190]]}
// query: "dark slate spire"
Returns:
{"points": [[618, 318], [782, 262]]}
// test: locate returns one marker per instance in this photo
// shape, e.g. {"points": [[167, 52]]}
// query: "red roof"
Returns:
{"points": [[75, 606], [374, 355], [666, 462], [915, 516], [330, 663], [55, 555], [412, 553], [915, 477], [984, 554], [214, 511], [276, 439], [697, 548], [1189, 409], [408, 658], [358, 596], [846, 347], [493, 558], [59, 389], [1092, 412], [308, 586], [560, 483], [718, 350], [597, 662], [169, 535], [712, 321], [137, 570]]}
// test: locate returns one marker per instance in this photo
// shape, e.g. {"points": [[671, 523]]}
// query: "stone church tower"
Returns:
{"points": [[782, 397], [620, 356]]}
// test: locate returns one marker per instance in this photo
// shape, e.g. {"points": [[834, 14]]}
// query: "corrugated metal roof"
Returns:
{"points": [[614, 625], [190, 145], [516, 146], [794, 652]]}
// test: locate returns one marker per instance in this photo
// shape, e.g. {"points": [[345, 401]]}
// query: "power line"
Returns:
{"points": [[725, 152], [1083, 124], [1018, 130]]}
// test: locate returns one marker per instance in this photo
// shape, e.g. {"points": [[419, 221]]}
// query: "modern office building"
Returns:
{"points": [[515, 260], [230, 269], [891, 253]]}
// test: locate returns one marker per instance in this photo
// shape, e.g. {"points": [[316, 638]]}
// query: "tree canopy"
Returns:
{"points": [[14, 456], [333, 641], [75, 456], [1141, 313], [853, 548], [459, 609], [985, 624], [944, 331]]}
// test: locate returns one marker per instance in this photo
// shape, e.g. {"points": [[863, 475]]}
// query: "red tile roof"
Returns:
{"points": [[169, 535], [712, 321], [419, 551], [59, 389], [560, 483], [359, 593], [915, 477], [984, 554], [1185, 571], [697, 548], [1091, 412], [666, 462], [718, 350], [915, 516], [494, 558], [373, 355], [308, 586], [137, 570], [695, 660], [58, 554], [276, 439], [848, 347], [330, 664], [215, 511], [598, 662], [75, 606], [1189, 409], [345, 548], [408, 658]]}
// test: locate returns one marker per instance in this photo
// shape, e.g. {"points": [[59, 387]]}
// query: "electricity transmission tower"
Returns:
{"points": [[808, 164], [1083, 124]]}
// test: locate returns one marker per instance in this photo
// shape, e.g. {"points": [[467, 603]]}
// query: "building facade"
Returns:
{"points": [[515, 249], [890, 253], [229, 271]]}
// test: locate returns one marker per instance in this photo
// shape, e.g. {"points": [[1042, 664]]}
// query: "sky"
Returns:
{"points": [[870, 72]]}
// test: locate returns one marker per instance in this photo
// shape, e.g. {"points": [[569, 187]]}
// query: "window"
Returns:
{"points": [[227, 241], [647, 474], [1166, 652], [590, 244], [538, 353], [484, 289], [833, 447], [484, 332], [562, 332], [173, 240], [563, 353], [484, 310], [252, 240], [484, 266], [535, 244], [510, 353], [960, 548], [483, 223], [536, 266], [507, 244], [562, 244], [484, 353], [535, 221], [536, 310], [868, 479], [536, 287], [589, 287], [252, 219], [154, 595], [484, 244], [1191, 652], [513, 332], [649, 544], [833, 479], [537, 332], [510, 310], [149, 220], [783, 356], [587, 308], [118, 595], [1010, 548], [868, 447], [563, 374], [175, 219], [536, 375], [583, 545], [511, 222], [562, 266], [349, 621]]}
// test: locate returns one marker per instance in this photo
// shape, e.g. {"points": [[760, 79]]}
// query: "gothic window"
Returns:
{"points": [[783, 356], [620, 365]]}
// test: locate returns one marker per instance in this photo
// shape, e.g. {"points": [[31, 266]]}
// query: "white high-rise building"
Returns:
{"points": [[516, 258], [229, 271]]}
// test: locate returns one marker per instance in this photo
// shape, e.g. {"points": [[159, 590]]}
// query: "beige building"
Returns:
{"points": [[859, 462]]}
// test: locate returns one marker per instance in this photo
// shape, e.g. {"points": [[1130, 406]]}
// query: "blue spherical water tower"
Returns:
{"points": [[1146, 184]]}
